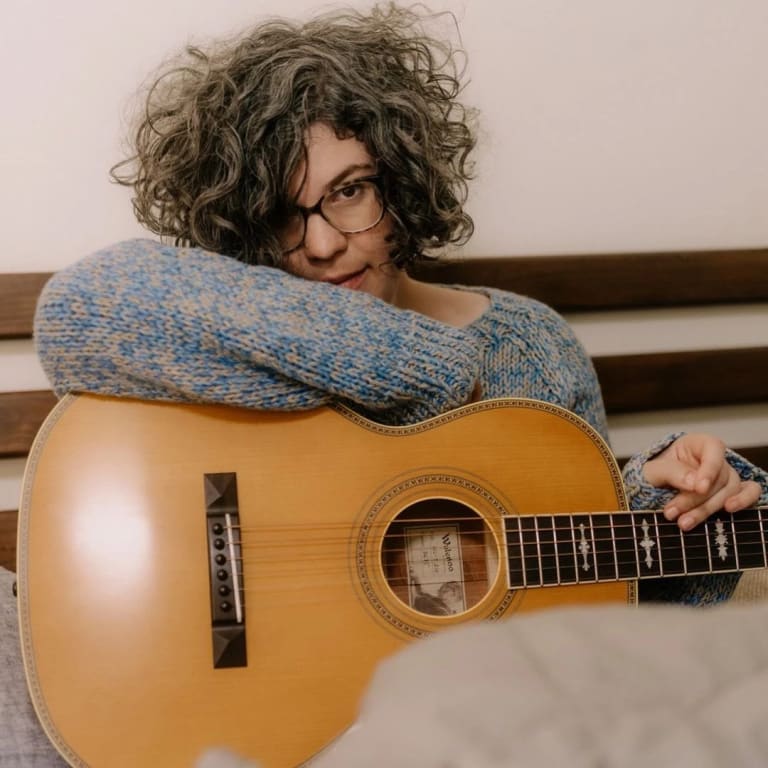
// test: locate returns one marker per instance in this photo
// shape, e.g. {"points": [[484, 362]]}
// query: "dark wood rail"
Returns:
{"points": [[18, 296], [618, 281]]}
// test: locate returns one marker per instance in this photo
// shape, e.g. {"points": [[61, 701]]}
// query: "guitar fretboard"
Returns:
{"points": [[550, 550]]}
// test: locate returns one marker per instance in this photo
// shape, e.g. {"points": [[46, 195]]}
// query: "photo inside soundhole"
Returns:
{"points": [[439, 557]]}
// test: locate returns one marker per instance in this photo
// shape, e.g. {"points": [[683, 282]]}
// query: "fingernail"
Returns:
{"points": [[671, 513], [686, 523], [703, 485]]}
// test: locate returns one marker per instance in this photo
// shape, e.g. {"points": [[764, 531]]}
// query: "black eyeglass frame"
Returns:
{"points": [[318, 208]]}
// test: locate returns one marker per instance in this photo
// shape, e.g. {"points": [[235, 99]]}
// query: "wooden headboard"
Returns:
{"points": [[632, 383]]}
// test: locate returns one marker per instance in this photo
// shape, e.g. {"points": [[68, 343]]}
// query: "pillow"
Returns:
{"points": [[595, 686]]}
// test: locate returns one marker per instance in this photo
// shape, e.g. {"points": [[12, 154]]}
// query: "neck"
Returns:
{"points": [[548, 550], [446, 305]]}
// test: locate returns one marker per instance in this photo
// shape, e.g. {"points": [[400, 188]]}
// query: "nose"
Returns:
{"points": [[321, 239]]}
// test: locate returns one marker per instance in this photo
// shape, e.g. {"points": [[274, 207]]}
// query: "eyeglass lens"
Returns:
{"points": [[352, 208]]}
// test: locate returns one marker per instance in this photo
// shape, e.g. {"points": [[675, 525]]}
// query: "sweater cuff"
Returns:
{"points": [[640, 493]]}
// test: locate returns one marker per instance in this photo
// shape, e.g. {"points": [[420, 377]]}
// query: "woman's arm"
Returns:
{"points": [[144, 320]]}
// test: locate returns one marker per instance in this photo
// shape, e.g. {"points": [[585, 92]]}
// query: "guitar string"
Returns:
{"points": [[544, 550], [548, 577], [597, 518], [548, 562], [341, 578], [550, 557], [628, 530], [746, 547]]}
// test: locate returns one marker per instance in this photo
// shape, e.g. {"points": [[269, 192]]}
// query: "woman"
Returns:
{"points": [[300, 170]]}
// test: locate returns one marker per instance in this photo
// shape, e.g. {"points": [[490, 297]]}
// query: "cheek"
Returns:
{"points": [[296, 264], [377, 241]]}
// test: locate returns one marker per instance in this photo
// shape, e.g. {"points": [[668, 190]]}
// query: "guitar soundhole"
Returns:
{"points": [[438, 557]]}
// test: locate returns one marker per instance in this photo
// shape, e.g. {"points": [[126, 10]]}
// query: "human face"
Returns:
{"points": [[358, 261]]}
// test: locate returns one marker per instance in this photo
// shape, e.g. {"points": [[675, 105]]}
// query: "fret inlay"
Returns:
{"points": [[584, 547], [721, 540], [647, 543]]}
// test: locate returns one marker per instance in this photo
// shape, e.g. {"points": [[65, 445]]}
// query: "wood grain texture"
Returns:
{"points": [[18, 296], [21, 414], [689, 379], [8, 522], [617, 281], [127, 477]]}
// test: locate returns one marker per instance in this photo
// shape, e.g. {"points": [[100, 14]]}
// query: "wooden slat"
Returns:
{"points": [[683, 379], [8, 520], [21, 414], [18, 296], [617, 281], [757, 454]]}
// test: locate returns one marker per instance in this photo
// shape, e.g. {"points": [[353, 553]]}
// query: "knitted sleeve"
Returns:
{"points": [[642, 495], [144, 320], [698, 590]]}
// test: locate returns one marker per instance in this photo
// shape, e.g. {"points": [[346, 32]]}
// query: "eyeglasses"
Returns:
{"points": [[351, 208]]}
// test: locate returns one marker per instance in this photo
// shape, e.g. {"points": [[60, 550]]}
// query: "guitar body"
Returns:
{"points": [[115, 578]]}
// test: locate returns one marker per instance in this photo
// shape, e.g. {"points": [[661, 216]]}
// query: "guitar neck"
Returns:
{"points": [[551, 550]]}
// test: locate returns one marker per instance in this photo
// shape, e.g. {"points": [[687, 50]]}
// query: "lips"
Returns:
{"points": [[351, 281]]}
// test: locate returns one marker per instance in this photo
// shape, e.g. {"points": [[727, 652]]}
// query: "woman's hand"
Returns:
{"points": [[695, 465]]}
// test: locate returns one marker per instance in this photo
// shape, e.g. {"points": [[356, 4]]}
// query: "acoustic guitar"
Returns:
{"points": [[192, 576]]}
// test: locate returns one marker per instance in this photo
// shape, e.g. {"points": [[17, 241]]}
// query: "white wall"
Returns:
{"points": [[608, 125]]}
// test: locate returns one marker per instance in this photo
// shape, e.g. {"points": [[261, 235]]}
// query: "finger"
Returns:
{"points": [[689, 520], [715, 503], [712, 461], [748, 494], [686, 501]]}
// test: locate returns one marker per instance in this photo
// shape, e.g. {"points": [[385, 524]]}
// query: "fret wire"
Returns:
{"points": [[735, 545], [762, 534], [658, 544], [538, 547], [522, 553], [634, 542], [575, 554], [684, 550], [613, 542], [594, 547], [709, 546], [557, 552]]}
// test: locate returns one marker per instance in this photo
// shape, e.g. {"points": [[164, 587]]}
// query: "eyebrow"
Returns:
{"points": [[339, 177]]}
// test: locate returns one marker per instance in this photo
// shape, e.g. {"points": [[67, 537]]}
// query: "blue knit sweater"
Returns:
{"points": [[144, 320]]}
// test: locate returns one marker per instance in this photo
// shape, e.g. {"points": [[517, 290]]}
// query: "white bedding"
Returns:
{"points": [[599, 687]]}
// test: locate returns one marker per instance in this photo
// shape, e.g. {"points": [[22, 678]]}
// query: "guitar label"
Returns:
{"points": [[435, 570]]}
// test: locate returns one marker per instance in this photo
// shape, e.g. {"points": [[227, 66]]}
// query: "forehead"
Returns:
{"points": [[329, 160]]}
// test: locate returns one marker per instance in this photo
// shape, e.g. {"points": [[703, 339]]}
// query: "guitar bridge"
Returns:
{"points": [[225, 570]]}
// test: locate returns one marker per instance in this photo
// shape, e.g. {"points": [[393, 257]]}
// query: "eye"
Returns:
{"points": [[346, 194]]}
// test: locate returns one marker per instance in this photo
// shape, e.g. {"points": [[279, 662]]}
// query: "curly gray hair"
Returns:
{"points": [[223, 131]]}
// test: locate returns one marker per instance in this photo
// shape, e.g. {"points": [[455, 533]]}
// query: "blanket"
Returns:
{"points": [[583, 687]]}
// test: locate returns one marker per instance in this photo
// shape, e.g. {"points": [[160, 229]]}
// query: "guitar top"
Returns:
{"points": [[193, 576]]}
